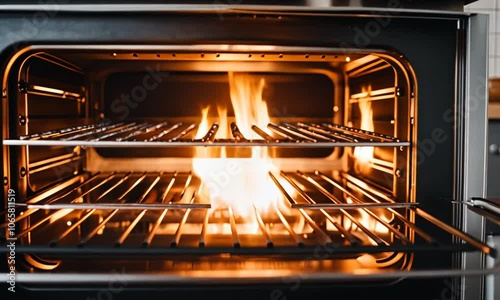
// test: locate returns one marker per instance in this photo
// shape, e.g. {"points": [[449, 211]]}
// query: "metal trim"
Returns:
{"points": [[262, 277], [228, 8], [471, 144]]}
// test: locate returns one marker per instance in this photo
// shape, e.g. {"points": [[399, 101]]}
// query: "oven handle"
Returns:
{"points": [[488, 208], [138, 278]]}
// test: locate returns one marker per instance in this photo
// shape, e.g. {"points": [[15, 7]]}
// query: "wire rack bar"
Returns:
{"points": [[164, 134]]}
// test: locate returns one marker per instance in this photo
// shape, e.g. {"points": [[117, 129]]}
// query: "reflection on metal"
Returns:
{"points": [[33, 89], [488, 208]]}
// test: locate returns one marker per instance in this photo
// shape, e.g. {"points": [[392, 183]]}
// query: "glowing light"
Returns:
{"points": [[368, 221], [365, 154], [69, 223], [372, 224]]}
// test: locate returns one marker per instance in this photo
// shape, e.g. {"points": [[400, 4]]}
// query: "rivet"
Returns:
{"points": [[22, 120], [22, 172], [22, 86]]}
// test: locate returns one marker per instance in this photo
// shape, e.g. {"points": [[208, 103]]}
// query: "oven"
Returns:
{"points": [[208, 149]]}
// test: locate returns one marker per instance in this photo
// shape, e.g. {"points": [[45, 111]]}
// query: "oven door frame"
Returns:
{"points": [[471, 147]]}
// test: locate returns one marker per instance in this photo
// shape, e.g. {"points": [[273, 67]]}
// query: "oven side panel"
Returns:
{"points": [[471, 141]]}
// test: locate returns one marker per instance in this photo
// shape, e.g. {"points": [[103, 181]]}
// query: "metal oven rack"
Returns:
{"points": [[164, 134], [171, 199]]}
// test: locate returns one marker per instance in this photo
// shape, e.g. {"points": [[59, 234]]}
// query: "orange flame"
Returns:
{"points": [[249, 107], [203, 127], [239, 183], [368, 221]]}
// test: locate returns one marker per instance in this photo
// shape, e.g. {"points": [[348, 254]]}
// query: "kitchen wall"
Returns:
{"points": [[491, 7]]}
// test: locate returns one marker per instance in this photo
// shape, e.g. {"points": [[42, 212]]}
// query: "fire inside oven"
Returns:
{"points": [[220, 157]]}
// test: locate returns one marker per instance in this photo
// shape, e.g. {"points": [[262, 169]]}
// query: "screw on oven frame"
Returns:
{"points": [[22, 172], [22, 120], [399, 91], [22, 86], [5, 181], [494, 149], [399, 173]]}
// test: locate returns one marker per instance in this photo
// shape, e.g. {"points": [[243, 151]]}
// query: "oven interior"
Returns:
{"points": [[235, 162]]}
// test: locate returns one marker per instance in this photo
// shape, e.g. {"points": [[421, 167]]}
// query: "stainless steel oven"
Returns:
{"points": [[285, 150]]}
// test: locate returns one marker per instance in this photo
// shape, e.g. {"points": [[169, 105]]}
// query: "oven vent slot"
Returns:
{"points": [[166, 134]]}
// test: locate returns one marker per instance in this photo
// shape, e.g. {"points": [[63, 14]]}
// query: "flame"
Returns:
{"points": [[368, 221], [365, 154], [203, 127], [249, 107], [239, 183]]}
